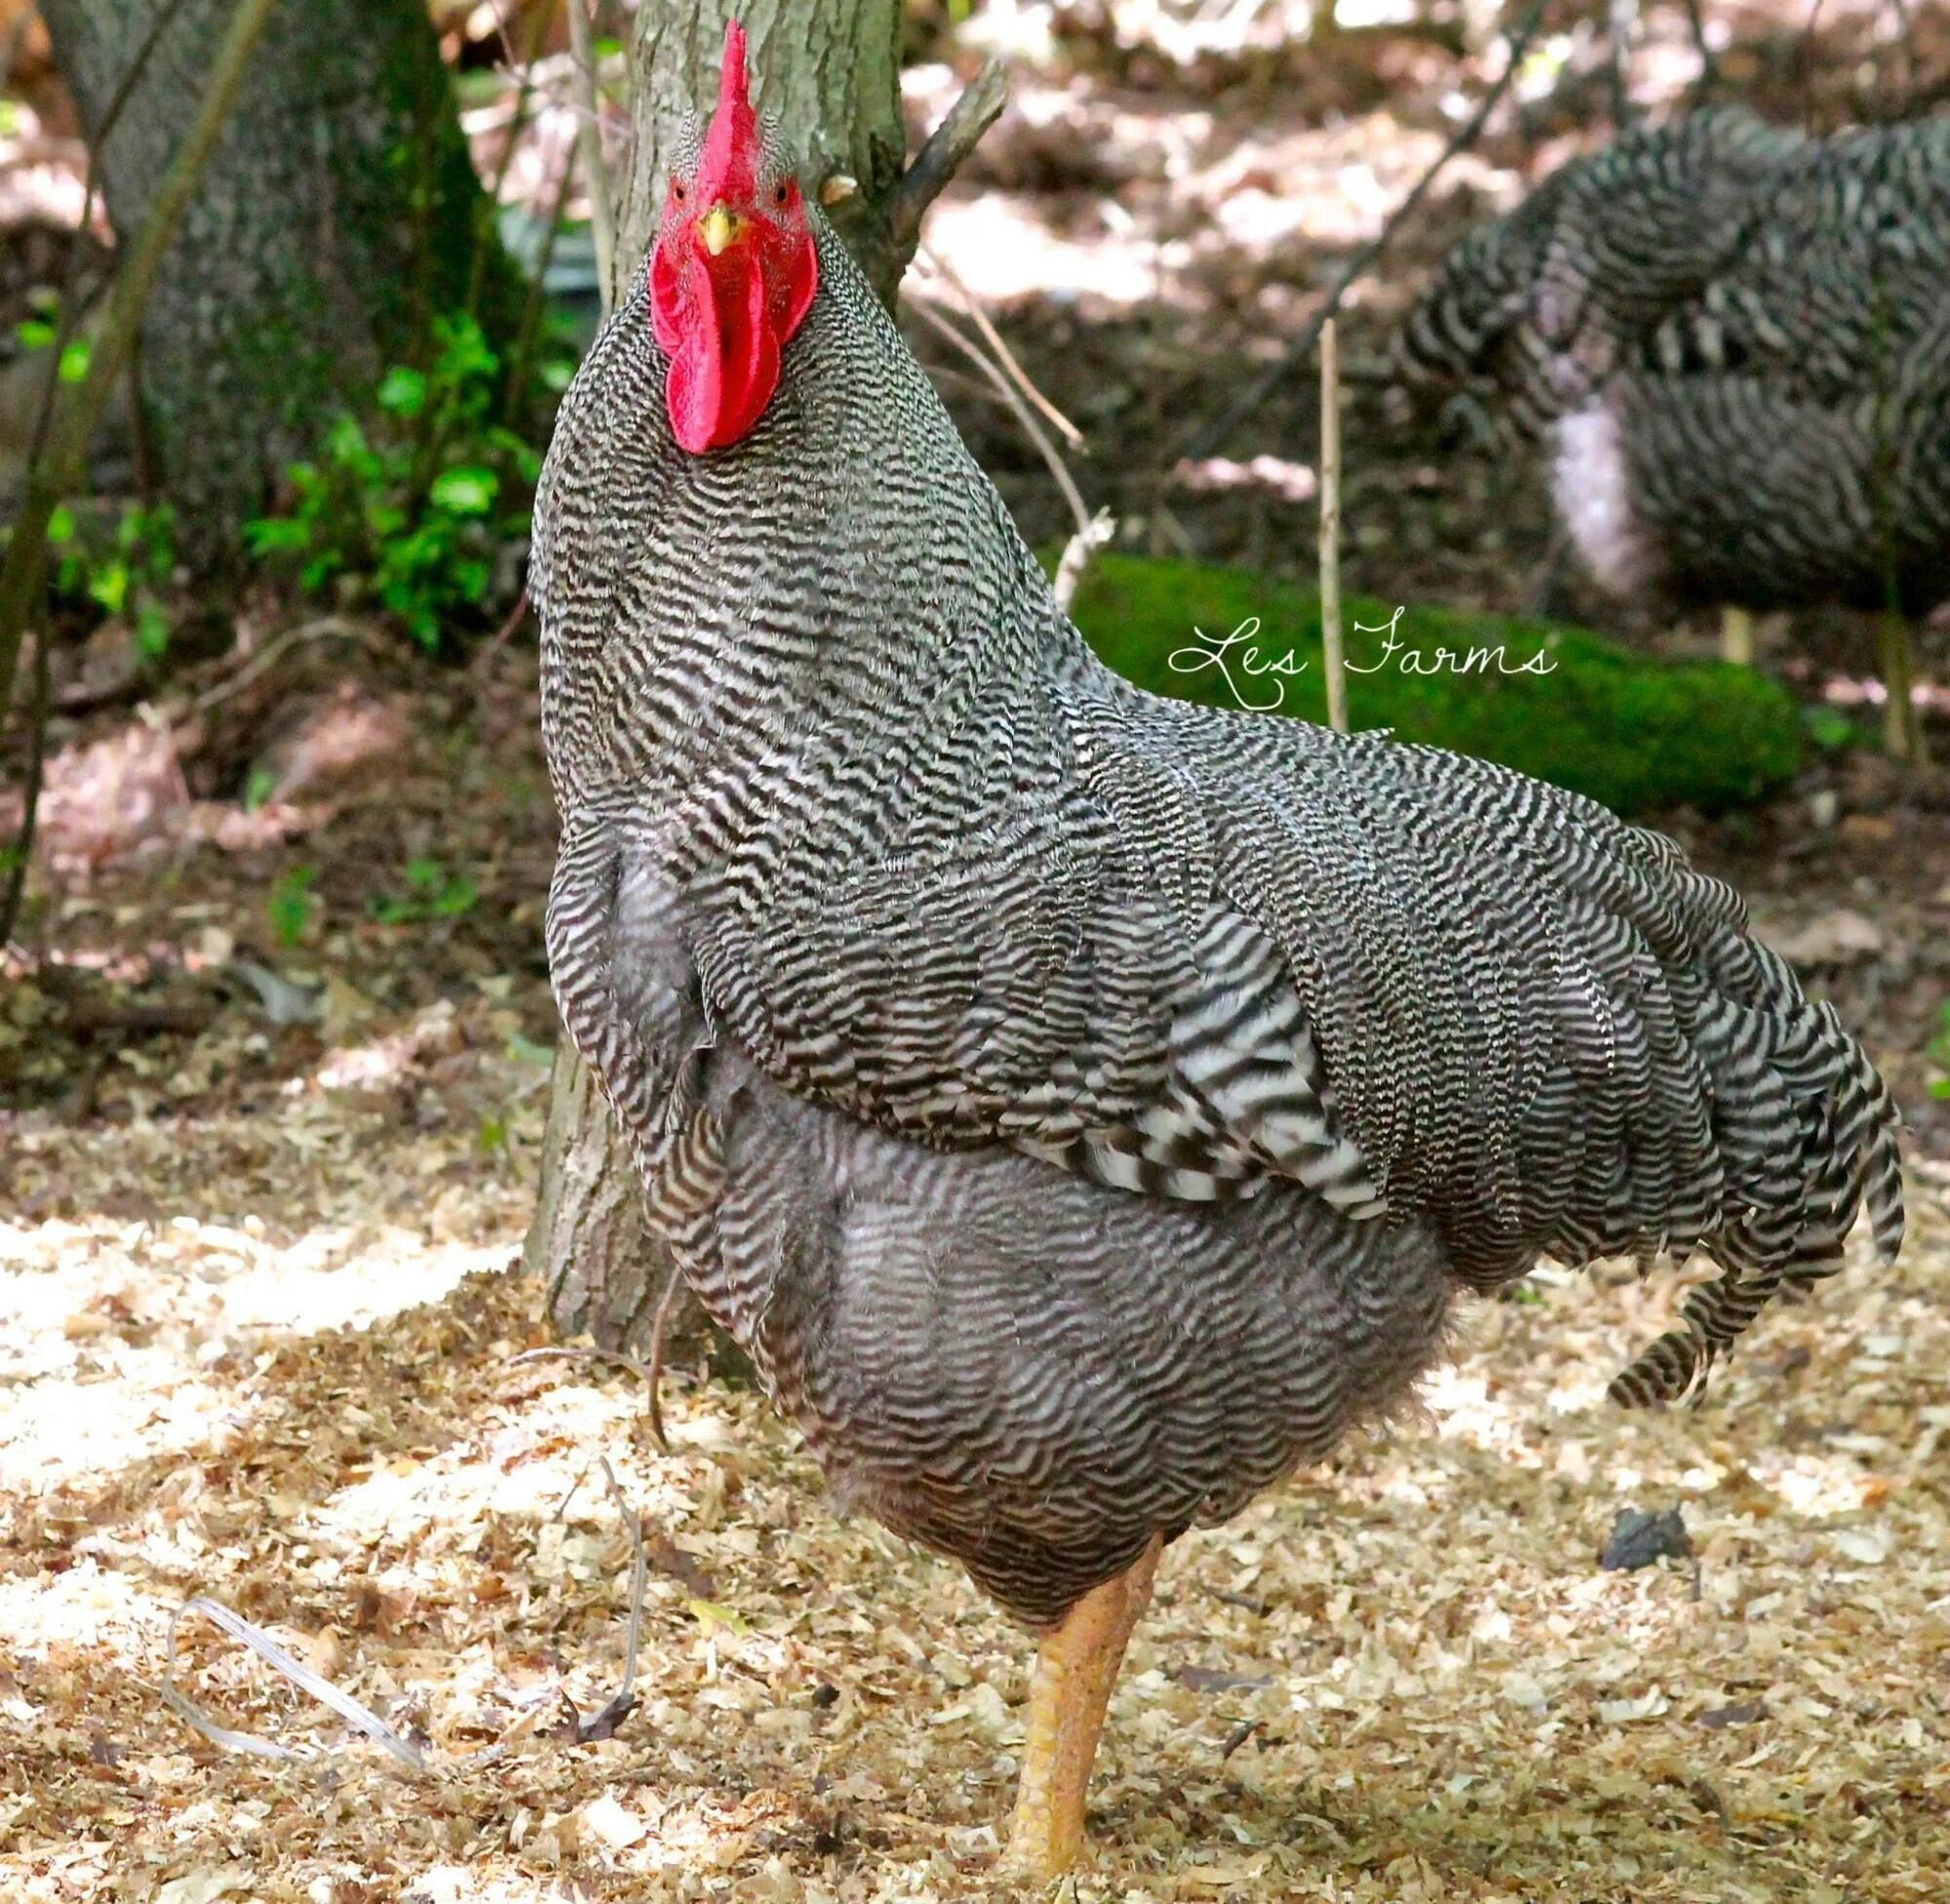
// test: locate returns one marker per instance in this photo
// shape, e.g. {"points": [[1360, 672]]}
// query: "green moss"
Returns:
{"points": [[1636, 733]]}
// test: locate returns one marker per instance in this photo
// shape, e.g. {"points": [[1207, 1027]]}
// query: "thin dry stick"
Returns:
{"points": [[1204, 441], [651, 1373], [589, 137], [982, 360], [22, 850], [67, 311], [1076, 554], [659, 1330], [1332, 660], [993, 337], [603, 1722], [268, 1649], [327, 628], [59, 467]]}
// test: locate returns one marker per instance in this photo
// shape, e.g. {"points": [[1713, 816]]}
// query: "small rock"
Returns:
{"points": [[1638, 1539]]}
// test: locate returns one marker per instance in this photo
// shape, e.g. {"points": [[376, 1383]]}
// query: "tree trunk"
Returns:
{"points": [[338, 213], [830, 72], [604, 1271]]}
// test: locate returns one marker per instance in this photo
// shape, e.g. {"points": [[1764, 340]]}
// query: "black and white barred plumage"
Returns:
{"points": [[1737, 340], [1081, 1104]]}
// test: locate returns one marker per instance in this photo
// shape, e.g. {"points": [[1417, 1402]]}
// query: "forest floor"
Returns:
{"points": [[272, 1077]]}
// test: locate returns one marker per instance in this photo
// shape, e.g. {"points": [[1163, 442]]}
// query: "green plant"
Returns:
{"points": [[1829, 728], [291, 904], [1938, 1051], [407, 510], [122, 561], [432, 893]]}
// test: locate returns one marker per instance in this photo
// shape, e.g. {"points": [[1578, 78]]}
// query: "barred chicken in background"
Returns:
{"points": [[1083, 1106], [1736, 339]]}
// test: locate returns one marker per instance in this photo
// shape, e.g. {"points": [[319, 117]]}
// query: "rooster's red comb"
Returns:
{"points": [[729, 163]]}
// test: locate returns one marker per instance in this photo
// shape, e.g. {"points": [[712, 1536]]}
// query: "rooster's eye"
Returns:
{"points": [[678, 193], [781, 194]]}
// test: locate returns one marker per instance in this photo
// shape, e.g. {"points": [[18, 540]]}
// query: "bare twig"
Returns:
{"points": [[603, 1722], [66, 312], [483, 655], [993, 337], [30, 797], [57, 468], [1076, 554], [268, 1649], [651, 1373], [529, 333], [589, 138], [999, 381], [325, 628], [1709, 66], [946, 148], [525, 92], [566, 1352], [1207, 439], [1332, 660], [1239, 1734], [654, 1374]]}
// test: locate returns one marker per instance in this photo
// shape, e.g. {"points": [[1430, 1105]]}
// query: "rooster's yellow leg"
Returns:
{"points": [[1076, 1665]]}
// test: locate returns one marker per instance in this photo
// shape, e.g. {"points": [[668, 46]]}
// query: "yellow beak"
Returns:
{"points": [[720, 228]]}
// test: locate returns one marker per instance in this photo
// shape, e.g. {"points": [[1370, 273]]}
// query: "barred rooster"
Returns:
{"points": [[1082, 1105], [1736, 341]]}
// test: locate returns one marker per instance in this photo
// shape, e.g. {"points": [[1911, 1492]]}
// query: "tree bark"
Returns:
{"points": [[829, 70], [603, 1269], [338, 213]]}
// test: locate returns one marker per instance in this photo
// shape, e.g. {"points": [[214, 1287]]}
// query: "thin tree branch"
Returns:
{"points": [[1207, 439], [993, 337], [589, 137], [1332, 660], [30, 798], [66, 311], [1076, 554], [1033, 430], [59, 467], [941, 156]]}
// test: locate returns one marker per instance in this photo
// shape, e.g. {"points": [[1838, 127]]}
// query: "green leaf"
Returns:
{"points": [[108, 586], [467, 491], [60, 525], [152, 632], [74, 361], [709, 1613], [403, 391], [454, 898], [259, 788], [289, 904], [34, 333]]}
